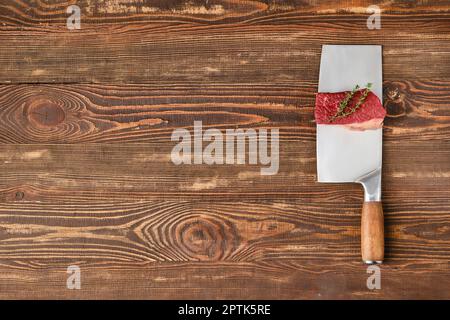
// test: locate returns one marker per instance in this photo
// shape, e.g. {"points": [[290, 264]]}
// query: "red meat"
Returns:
{"points": [[327, 104]]}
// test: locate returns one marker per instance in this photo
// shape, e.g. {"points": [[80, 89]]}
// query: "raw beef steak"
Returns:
{"points": [[369, 115]]}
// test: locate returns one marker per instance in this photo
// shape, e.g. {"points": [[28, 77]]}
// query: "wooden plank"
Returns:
{"points": [[55, 114], [26, 13], [230, 53], [131, 233], [224, 281], [184, 249], [145, 171]]}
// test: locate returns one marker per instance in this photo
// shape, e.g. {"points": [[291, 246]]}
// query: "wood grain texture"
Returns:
{"points": [[29, 13], [227, 281], [86, 177], [372, 232], [133, 171], [268, 49], [214, 54], [55, 114], [213, 248]]}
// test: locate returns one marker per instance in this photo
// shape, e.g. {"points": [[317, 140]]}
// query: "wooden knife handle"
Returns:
{"points": [[372, 232]]}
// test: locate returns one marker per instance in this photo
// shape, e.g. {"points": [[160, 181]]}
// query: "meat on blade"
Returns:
{"points": [[369, 115]]}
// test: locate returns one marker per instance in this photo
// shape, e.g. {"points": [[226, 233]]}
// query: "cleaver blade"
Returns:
{"points": [[345, 155]]}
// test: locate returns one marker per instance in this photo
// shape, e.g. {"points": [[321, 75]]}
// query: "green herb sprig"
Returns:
{"points": [[343, 104], [340, 113]]}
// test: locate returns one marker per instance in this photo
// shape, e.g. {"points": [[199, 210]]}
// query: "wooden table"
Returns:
{"points": [[86, 178]]}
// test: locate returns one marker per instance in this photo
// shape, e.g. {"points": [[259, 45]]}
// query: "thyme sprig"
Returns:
{"points": [[343, 104], [340, 113]]}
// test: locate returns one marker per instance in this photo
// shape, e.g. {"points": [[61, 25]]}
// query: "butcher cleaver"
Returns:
{"points": [[345, 155]]}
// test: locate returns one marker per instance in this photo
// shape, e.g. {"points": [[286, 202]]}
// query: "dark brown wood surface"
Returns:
{"points": [[85, 172]]}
